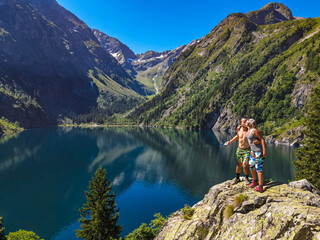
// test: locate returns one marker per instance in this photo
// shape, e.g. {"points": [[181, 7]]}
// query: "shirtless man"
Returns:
{"points": [[243, 152]]}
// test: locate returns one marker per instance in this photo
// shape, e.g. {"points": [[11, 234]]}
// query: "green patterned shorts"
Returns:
{"points": [[243, 154]]}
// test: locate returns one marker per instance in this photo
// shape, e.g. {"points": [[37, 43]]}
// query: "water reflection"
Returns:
{"points": [[44, 173]]}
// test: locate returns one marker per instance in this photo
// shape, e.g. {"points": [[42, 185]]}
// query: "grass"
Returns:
{"points": [[202, 232], [237, 202], [228, 211]]}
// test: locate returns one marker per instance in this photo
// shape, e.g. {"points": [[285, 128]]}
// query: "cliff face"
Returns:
{"points": [[270, 14], [283, 211], [117, 49]]}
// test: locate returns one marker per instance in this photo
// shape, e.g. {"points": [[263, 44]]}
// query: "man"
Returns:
{"points": [[258, 154], [243, 152]]}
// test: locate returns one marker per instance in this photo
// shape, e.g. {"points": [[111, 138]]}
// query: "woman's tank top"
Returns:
{"points": [[254, 147]]}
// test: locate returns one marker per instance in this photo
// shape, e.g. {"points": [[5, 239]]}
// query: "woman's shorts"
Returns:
{"points": [[243, 154], [256, 161]]}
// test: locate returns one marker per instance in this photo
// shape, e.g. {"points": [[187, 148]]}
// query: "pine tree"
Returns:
{"points": [[99, 215], [2, 236], [308, 157]]}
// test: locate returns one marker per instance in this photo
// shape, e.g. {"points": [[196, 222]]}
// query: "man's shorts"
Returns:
{"points": [[243, 154], [256, 160]]}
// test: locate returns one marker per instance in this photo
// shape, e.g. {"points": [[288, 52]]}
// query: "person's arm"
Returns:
{"points": [[259, 135], [235, 138], [256, 141]]}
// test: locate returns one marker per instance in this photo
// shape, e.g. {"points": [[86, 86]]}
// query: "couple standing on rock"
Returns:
{"points": [[251, 151]]}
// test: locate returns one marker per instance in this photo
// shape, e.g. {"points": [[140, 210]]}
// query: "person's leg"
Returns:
{"points": [[260, 174], [245, 165], [246, 172], [254, 176], [253, 171], [239, 166]]}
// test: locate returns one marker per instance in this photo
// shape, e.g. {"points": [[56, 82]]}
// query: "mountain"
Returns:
{"points": [[116, 48], [147, 68], [151, 66], [240, 69], [270, 14], [53, 66]]}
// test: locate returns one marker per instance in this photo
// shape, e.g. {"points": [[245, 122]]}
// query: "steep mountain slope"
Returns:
{"points": [[52, 65], [147, 68], [239, 69], [116, 48]]}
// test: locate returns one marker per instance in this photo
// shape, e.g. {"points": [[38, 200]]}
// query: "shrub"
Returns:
{"points": [[23, 235], [145, 232], [187, 212]]}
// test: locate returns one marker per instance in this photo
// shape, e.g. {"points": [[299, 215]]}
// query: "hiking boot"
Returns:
{"points": [[246, 181], [253, 184], [259, 189], [235, 181]]}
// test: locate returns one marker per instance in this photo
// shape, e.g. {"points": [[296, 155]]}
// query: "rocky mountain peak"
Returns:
{"points": [[270, 14], [151, 54], [116, 48]]}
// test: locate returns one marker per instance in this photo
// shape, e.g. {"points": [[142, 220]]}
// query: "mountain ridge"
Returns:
{"points": [[148, 68], [53, 66], [239, 69]]}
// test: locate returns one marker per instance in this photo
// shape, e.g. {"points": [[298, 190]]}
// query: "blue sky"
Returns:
{"points": [[164, 25]]}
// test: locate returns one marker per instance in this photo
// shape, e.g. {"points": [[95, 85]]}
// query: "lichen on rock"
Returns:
{"points": [[282, 211]]}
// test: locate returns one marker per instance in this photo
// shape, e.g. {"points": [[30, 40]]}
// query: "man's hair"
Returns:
{"points": [[252, 123]]}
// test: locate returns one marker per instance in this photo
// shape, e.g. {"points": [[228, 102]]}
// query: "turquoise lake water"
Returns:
{"points": [[44, 173]]}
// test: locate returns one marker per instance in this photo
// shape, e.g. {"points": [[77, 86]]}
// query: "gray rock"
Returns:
{"points": [[281, 212], [305, 185]]}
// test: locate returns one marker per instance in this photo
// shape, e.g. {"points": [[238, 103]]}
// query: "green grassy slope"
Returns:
{"points": [[239, 69]]}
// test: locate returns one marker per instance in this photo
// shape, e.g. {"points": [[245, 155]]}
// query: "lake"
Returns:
{"points": [[44, 173]]}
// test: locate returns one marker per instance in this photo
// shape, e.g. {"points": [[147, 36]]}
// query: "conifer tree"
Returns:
{"points": [[99, 215], [2, 236], [308, 156]]}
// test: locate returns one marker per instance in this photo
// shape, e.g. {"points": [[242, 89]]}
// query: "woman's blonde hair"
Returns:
{"points": [[252, 123]]}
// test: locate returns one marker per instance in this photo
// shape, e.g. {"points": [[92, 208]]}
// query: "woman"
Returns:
{"points": [[258, 154]]}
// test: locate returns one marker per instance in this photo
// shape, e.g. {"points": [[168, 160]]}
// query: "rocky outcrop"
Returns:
{"points": [[292, 137], [116, 48], [270, 14], [300, 93], [283, 211], [227, 121]]}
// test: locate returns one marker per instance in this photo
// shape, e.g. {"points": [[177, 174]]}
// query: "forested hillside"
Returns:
{"points": [[241, 69]]}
